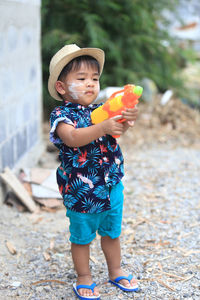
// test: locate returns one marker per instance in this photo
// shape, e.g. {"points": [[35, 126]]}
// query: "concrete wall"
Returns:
{"points": [[20, 83], [185, 23]]}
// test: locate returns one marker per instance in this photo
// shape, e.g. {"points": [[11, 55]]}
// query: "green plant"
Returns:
{"points": [[128, 32]]}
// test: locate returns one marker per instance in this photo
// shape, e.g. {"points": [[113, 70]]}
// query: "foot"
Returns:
{"points": [[116, 273], [88, 281]]}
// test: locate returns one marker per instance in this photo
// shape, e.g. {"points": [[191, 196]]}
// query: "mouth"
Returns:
{"points": [[89, 92]]}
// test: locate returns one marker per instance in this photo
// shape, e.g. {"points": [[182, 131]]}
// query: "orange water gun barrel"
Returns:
{"points": [[118, 102]]}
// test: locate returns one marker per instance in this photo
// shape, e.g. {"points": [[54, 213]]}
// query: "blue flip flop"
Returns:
{"points": [[134, 288], [84, 286]]}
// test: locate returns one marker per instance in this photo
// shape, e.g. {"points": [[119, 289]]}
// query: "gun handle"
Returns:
{"points": [[116, 136]]}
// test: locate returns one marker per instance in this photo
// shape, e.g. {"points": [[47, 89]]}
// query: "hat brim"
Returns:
{"points": [[97, 53]]}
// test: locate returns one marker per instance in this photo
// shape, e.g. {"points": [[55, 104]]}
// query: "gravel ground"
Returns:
{"points": [[160, 239]]}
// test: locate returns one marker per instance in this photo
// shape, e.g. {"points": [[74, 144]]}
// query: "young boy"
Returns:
{"points": [[91, 169]]}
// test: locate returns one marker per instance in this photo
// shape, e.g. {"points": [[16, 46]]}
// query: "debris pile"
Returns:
{"points": [[174, 123], [33, 189]]}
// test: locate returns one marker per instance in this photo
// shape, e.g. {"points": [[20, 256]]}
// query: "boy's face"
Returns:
{"points": [[80, 86]]}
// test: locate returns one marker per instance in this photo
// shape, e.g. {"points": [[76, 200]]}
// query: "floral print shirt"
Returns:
{"points": [[86, 173]]}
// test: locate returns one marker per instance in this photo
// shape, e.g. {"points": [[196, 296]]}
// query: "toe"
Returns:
{"points": [[125, 283], [128, 284], [134, 282], [88, 292], [96, 292]]}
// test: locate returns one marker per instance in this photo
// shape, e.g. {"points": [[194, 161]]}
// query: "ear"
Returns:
{"points": [[59, 85]]}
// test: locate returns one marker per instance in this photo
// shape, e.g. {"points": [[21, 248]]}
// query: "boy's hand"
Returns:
{"points": [[130, 114], [112, 127]]}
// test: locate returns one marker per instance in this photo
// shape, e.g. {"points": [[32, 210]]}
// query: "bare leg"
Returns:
{"points": [[112, 252], [80, 256]]}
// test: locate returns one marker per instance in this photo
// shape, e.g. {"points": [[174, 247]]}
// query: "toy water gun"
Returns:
{"points": [[118, 102]]}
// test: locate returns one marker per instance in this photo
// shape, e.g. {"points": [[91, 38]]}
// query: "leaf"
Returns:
{"points": [[11, 248], [101, 192], [46, 256]]}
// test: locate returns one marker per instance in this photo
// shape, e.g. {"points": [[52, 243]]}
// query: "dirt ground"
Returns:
{"points": [[161, 227]]}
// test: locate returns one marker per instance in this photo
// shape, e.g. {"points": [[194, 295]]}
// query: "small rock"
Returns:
{"points": [[47, 289], [39, 289], [16, 284], [71, 276]]}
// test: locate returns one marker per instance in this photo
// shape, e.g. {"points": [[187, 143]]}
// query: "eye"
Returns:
{"points": [[81, 78]]}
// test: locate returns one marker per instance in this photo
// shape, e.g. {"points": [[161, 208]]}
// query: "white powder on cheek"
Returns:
{"points": [[73, 90]]}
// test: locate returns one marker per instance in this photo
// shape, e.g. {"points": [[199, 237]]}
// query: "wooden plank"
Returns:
{"points": [[13, 182]]}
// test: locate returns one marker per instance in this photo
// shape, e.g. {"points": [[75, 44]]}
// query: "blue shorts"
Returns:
{"points": [[83, 227]]}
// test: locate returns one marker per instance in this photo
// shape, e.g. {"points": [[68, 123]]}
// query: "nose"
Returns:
{"points": [[90, 82]]}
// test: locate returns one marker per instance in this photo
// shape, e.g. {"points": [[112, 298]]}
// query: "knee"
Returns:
{"points": [[107, 241], [108, 238], [79, 246]]}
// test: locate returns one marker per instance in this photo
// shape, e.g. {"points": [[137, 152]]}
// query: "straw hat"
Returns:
{"points": [[63, 57]]}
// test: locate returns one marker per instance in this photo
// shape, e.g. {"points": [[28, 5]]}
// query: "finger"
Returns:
{"points": [[134, 109], [131, 123], [117, 132], [130, 112], [119, 125], [130, 116], [116, 118], [118, 128]]}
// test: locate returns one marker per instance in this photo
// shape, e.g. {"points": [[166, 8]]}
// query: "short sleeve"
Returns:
{"points": [[59, 114]]}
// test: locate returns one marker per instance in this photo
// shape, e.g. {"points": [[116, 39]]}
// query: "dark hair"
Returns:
{"points": [[75, 65]]}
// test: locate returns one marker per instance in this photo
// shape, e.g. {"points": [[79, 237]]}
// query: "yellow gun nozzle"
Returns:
{"points": [[99, 115]]}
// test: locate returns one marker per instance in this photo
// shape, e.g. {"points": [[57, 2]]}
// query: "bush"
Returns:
{"points": [[126, 30]]}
